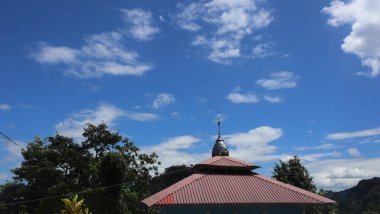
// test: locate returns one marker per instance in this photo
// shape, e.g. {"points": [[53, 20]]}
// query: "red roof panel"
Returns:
{"points": [[225, 180], [234, 188], [225, 162]]}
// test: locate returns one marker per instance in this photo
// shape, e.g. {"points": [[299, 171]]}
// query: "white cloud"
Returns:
{"points": [[353, 152], [53, 55], [347, 135], [224, 23], [262, 50], [163, 99], [251, 146], [364, 40], [12, 152], [339, 174], [273, 99], [175, 114], [254, 145], [367, 141], [102, 54], [318, 156], [4, 107], [345, 172], [3, 176], [323, 146], [107, 113], [279, 80], [187, 15], [220, 117], [199, 40], [173, 151], [140, 24], [237, 97]]}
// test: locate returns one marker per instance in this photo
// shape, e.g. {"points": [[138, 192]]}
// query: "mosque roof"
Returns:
{"points": [[235, 188], [224, 180]]}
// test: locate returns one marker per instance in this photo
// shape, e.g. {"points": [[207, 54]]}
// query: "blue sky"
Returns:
{"points": [[286, 78]]}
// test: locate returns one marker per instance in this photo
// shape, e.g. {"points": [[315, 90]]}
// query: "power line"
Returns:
{"points": [[55, 165], [59, 196], [45, 161], [80, 192], [23, 149], [12, 141]]}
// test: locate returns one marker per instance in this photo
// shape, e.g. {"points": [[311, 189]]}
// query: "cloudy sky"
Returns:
{"points": [[285, 77]]}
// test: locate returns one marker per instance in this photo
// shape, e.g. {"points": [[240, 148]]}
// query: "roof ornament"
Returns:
{"points": [[219, 135], [220, 148]]}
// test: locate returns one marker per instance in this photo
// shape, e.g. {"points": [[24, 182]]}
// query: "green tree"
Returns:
{"points": [[293, 172], [58, 165], [73, 206]]}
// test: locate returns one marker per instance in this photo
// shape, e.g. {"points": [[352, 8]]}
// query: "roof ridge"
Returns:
{"points": [[289, 187], [234, 188], [240, 162], [216, 159]]}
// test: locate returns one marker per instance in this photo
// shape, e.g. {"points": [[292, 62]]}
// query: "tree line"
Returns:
{"points": [[58, 166]]}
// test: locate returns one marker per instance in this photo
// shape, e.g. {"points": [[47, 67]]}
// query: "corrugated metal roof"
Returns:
{"points": [[225, 162], [232, 188]]}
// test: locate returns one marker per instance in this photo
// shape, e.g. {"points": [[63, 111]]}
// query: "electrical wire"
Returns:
{"points": [[8, 138], [44, 161], [80, 192], [23, 149], [68, 194]]}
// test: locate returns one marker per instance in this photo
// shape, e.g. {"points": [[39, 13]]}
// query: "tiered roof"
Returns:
{"points": [[223, 180], [228, 181]]}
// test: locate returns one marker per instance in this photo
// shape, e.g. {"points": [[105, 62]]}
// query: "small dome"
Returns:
{"points": [[220, 148]]}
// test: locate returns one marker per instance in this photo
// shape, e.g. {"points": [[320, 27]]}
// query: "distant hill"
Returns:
{"points": [[362, 198]]}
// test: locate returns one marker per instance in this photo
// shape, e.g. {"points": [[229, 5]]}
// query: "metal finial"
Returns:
{"points": [[219, 135]]}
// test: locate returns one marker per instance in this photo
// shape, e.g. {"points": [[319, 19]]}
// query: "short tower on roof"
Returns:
{"points": [[220, 148]]}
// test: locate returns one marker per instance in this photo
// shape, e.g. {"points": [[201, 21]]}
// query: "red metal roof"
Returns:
{"points": [[225, 162], [238, 188], [207, 187]]}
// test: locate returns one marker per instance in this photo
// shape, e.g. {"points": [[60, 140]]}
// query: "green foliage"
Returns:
{"points": [[73, 206], [293, 172], [58, 166]]}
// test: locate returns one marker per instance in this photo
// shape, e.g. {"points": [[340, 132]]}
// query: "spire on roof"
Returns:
{"points": [[219, 136], [220, 148]]}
